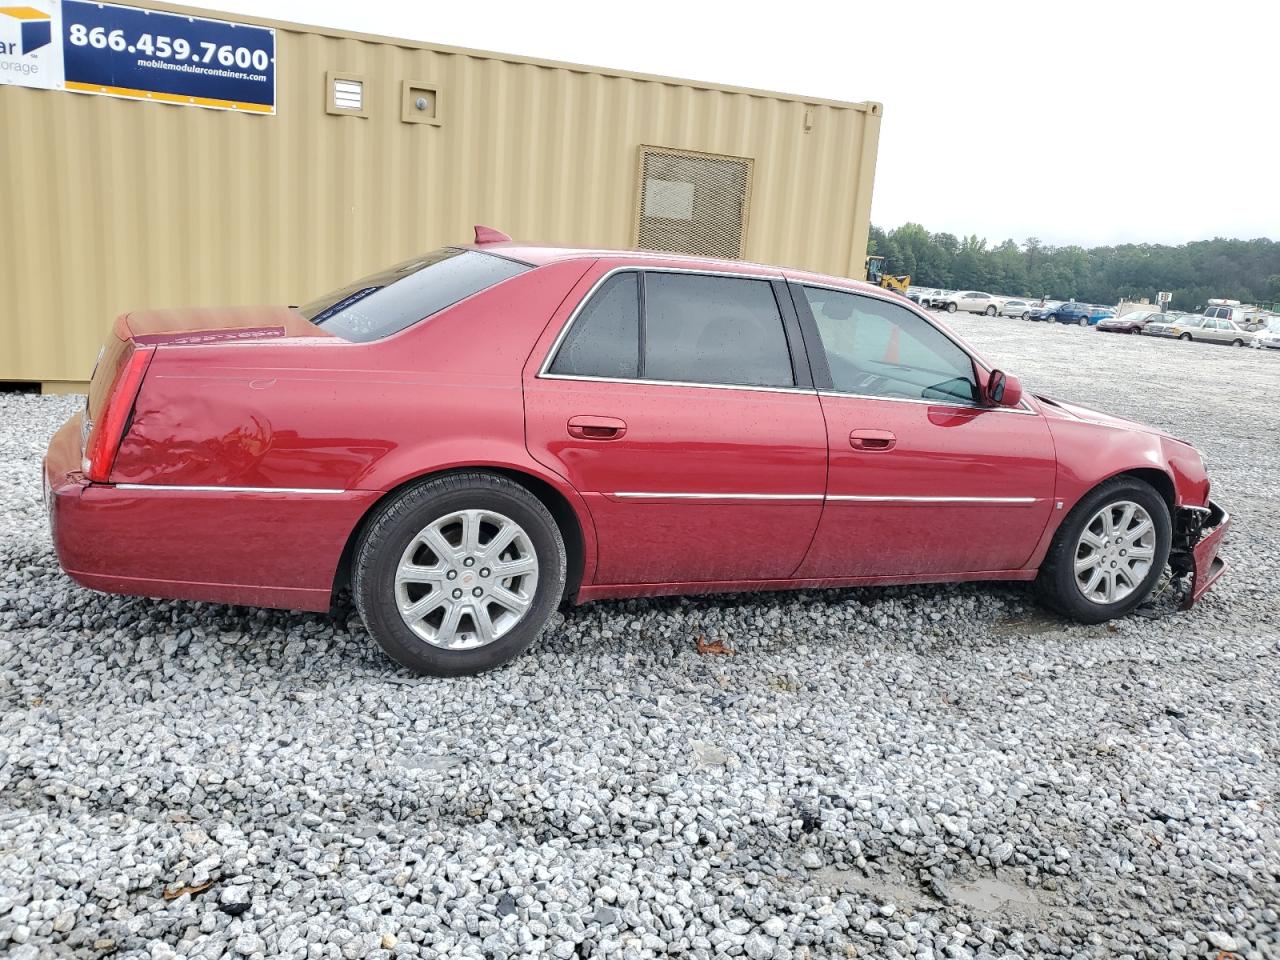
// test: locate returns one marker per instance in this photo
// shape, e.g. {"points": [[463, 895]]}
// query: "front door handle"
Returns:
{"points": [[597, 428], [872, 440]]}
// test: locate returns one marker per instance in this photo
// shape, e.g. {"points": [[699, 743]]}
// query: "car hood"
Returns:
{"points": [[1062, 410]]}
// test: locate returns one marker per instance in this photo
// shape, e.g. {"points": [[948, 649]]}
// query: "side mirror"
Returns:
{"points": [[1003, 389]]}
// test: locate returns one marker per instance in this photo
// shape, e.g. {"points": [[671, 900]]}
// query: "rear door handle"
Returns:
{"points": [[872, 440], [597, 428]]}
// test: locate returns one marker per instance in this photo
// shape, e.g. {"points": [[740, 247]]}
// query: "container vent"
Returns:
{"points": [[692, 202], [348, 94]]}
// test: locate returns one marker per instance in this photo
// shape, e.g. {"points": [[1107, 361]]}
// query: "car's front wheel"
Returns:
{"points": [[1084, 321], [1109, 553], [459, 574], [1185, 336], [1237, 342], [951, 308], [990, 311]]}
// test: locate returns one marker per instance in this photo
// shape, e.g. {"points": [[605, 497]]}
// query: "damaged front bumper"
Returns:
{"points": [[1197, 537]]}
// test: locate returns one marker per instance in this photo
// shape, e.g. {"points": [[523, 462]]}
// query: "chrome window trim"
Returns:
{"points": [[544, 371], [183, 488], [679, 383], [954, 404], [875, 294]]}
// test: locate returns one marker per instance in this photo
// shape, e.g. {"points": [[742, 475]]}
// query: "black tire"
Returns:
{"points": [[1084, 321], [1185, 336], [1025, 315], [990, 311], [951, 308], [1237, 343], [1056, 583], [393, 527]]}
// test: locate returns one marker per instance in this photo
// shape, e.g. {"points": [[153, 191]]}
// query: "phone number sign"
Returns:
{"points": [[142, 54]]}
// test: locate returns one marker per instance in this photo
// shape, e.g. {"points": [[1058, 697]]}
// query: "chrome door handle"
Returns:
{"points": [[597, 428], [871, 440]]}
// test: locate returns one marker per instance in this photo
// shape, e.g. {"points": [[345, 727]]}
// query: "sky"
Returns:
{"points": [[1077, 122]]}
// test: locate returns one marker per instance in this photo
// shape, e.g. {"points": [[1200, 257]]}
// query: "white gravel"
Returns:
{"points": [[929, 772]]}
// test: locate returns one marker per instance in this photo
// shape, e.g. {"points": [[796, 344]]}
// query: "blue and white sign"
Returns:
{"points": [[151, 55], [139, 54]]}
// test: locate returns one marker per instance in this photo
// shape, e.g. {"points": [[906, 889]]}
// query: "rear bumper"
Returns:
{"points": [[260, 547], [1198, 536]]}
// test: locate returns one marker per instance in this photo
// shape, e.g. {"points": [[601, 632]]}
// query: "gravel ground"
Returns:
{"points": [[926, 772]]}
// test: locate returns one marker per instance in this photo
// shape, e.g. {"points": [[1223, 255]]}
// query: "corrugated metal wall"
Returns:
{"points": [[112, 204]]}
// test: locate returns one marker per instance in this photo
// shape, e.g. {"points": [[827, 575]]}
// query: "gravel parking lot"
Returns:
{"points": [[924, 772]]}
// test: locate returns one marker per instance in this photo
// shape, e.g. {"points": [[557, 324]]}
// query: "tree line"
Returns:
{"points": [[1244, 270]]}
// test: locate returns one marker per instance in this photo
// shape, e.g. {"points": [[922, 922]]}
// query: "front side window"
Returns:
{"points": [[879, 349], [705, 329], [388, 302], [604, 340]]}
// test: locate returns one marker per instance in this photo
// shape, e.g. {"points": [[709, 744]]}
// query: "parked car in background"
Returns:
{"points": [[970, 301], [1016, 308], [1085, 314], [1269, 336], [1042, 309], [1131, 322], [1209, 330], [474, 436], [1160, 326], [922, 295]]}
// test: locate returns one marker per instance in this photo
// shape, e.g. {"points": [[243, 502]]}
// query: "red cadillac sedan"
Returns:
{"points": [[469, 437]]}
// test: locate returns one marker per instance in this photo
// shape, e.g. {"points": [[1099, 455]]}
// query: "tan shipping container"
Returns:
{"points": [[111, 204]]}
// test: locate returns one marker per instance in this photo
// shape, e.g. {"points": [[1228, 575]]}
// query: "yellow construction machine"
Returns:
{"points": [[876, 275]]}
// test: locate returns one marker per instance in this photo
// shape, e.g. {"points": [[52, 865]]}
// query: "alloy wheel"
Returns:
{"points": [[1114, 553], [466, 579]]}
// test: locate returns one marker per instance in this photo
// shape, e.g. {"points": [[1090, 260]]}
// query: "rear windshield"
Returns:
{"points": [[388, 302]]}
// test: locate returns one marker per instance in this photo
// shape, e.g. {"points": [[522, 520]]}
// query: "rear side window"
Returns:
{"points": [[704, 329], [604, 340], [388, 302]]}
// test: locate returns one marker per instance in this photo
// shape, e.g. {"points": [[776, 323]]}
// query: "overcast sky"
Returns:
{"points": [[1079, 122]]}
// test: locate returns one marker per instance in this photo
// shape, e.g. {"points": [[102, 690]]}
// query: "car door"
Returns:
{"points": [[923, 481], [679, 404]]}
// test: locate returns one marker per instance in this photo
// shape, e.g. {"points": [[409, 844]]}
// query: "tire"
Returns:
{"points": [[1133, 330], [455, 502], [1237, 342], [1025, 315], [1084, 321], [1185, 336], [1057, 584], [951, 308], [990, 311]]}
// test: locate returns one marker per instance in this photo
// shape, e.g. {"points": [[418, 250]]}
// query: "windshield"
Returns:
{"points": [[388, 302]]}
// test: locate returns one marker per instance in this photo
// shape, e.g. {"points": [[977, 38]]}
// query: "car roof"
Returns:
{"points": [[540, 255]]}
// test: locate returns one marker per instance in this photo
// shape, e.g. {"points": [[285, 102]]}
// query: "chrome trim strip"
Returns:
{"points": [[878, 499], [680, 383], [641, 268], [634, 495], [180, 488], [953, 404], [631, 495]]}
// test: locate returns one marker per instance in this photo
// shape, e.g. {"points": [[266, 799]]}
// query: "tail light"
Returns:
{"points": [[102, 437]]}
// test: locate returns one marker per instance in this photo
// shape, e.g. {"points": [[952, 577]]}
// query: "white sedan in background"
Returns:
{"points": [[1016, 308], [970, 301]]}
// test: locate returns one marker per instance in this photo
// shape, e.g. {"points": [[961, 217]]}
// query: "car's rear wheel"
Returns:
{"points": [[951, 308], [459, 574], [990, 311], [1185, 336], [1109, 553]]}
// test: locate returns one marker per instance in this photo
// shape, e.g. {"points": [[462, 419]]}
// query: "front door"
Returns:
{"points": [[673, 405], [923, 480]]}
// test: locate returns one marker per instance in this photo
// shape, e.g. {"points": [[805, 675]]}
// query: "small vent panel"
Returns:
{"points": [[692, 202]]}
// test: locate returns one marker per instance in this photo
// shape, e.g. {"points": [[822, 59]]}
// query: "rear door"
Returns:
{"points": [[679, 404], [923, 481]]}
